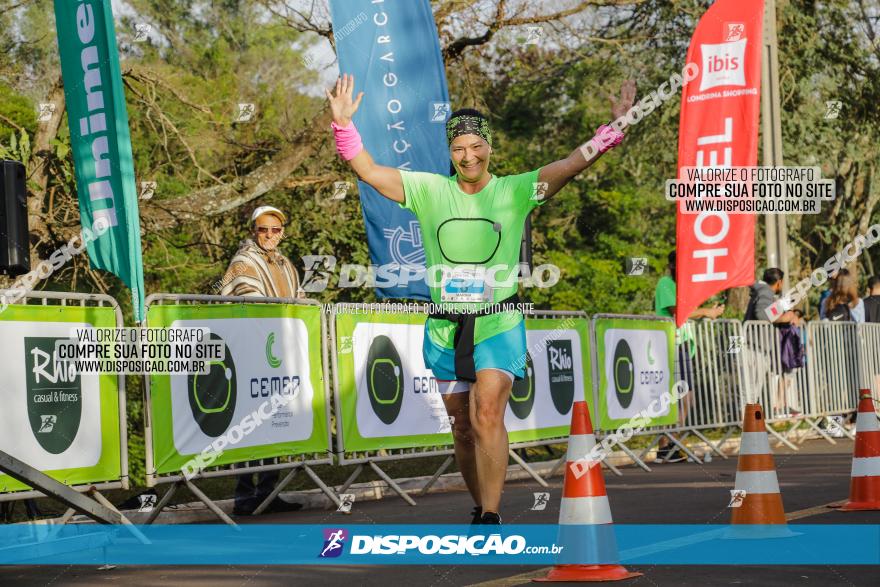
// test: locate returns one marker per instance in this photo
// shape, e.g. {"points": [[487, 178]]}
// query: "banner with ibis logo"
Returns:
{"points": [[719, 128]]}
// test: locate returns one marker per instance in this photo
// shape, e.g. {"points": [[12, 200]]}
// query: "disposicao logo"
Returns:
{"points": [[474, 545], [624, 375], [334, 542]]}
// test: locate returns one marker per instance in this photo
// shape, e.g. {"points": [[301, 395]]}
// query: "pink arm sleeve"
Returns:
{"points": [[348, 140], [606, 138]]}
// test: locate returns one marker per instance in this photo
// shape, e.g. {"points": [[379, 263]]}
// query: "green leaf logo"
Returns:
{"points": [[273, 361]]}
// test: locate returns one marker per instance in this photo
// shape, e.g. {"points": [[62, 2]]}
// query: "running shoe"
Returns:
{"points": [[677, 457], [491, 518], [662, 453], [477, 514]]}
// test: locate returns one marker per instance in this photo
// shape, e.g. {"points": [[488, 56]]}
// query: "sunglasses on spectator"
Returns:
{"points": [[274, 229]]}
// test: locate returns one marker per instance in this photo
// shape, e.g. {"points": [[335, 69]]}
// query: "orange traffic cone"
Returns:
{"points": [[756, 474], [585, 529], [864, 489]]}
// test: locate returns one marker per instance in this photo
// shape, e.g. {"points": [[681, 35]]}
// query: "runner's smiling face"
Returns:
{"points": [[470, 157]]}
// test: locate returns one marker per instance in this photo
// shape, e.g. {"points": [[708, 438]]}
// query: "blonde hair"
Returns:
{"points": [[844, 291]]}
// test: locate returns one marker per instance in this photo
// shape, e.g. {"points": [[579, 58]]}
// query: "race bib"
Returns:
{"points": [[465, 284]]}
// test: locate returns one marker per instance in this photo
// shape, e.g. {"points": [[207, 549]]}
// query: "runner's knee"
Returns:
{"points": [[488, 417]]}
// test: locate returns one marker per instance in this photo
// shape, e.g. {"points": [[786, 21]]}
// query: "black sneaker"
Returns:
{"points": [[136, 502], [677, 457], [280, 505], [491, 518], [662, 453], [477, 514], [244, 509]]}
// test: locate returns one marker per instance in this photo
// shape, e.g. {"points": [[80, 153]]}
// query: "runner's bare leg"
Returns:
{"points": [[487, 404], [458, 406]]}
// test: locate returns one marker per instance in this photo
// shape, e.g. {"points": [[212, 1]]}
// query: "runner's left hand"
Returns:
{"points": [[620, 105]]}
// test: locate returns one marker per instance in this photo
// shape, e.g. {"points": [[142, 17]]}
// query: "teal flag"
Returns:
{"points": [[100, 141]]}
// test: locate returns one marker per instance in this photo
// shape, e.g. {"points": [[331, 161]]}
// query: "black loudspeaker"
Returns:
{"points": [[15, 254]]}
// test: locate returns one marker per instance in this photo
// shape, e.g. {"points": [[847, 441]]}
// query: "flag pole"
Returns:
{"points": [[775, 227]]}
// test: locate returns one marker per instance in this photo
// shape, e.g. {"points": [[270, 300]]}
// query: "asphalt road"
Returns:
{"points": [[681, 493]]}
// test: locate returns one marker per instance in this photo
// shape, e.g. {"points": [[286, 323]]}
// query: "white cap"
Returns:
{"points": [[268, 210]]}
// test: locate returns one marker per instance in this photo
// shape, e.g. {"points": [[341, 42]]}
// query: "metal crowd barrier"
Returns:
{"points": [[786, 395], [658, 432], [371, 459], [833, 359], [718, 374], [737, 363], [291, 464], [92, 489], [734, 363], [869, 348]]}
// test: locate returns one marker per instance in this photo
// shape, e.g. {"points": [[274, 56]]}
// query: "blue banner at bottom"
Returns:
{"points": [[801, 544]]}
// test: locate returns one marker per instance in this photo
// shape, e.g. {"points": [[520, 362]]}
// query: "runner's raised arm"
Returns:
{"points": [[386, 180], [555, 175]]}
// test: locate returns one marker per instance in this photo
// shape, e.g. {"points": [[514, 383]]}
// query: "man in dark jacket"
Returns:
{"points": [[762, 297], [872, 302]]}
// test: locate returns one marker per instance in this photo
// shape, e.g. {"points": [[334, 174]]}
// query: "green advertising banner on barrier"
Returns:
{"points": [[636, 366], [55, 420], [272, 350], [388, 399]]}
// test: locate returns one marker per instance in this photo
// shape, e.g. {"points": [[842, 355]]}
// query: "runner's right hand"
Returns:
{"points": [[341, 105]]}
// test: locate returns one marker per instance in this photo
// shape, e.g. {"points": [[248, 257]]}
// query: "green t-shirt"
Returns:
{"points": [[664, 297], [477, 232]]}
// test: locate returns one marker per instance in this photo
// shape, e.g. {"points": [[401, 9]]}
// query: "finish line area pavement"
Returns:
{"points": [[674, 493]]}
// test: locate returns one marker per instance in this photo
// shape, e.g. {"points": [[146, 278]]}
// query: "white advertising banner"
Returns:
{"points": [[390, 399], [252, 371], [53, 418], [272, 352], [636, 369]]}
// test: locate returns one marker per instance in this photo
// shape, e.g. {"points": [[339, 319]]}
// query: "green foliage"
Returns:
{"points": [[19, 148], [16, 108]]}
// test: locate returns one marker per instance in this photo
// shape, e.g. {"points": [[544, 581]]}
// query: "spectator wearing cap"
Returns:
{"points": [[259, 270]]}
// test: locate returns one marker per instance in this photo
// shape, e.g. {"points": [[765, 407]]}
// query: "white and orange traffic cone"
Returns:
{"points": [[585, 529], [756, 474], [864, 488]]}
